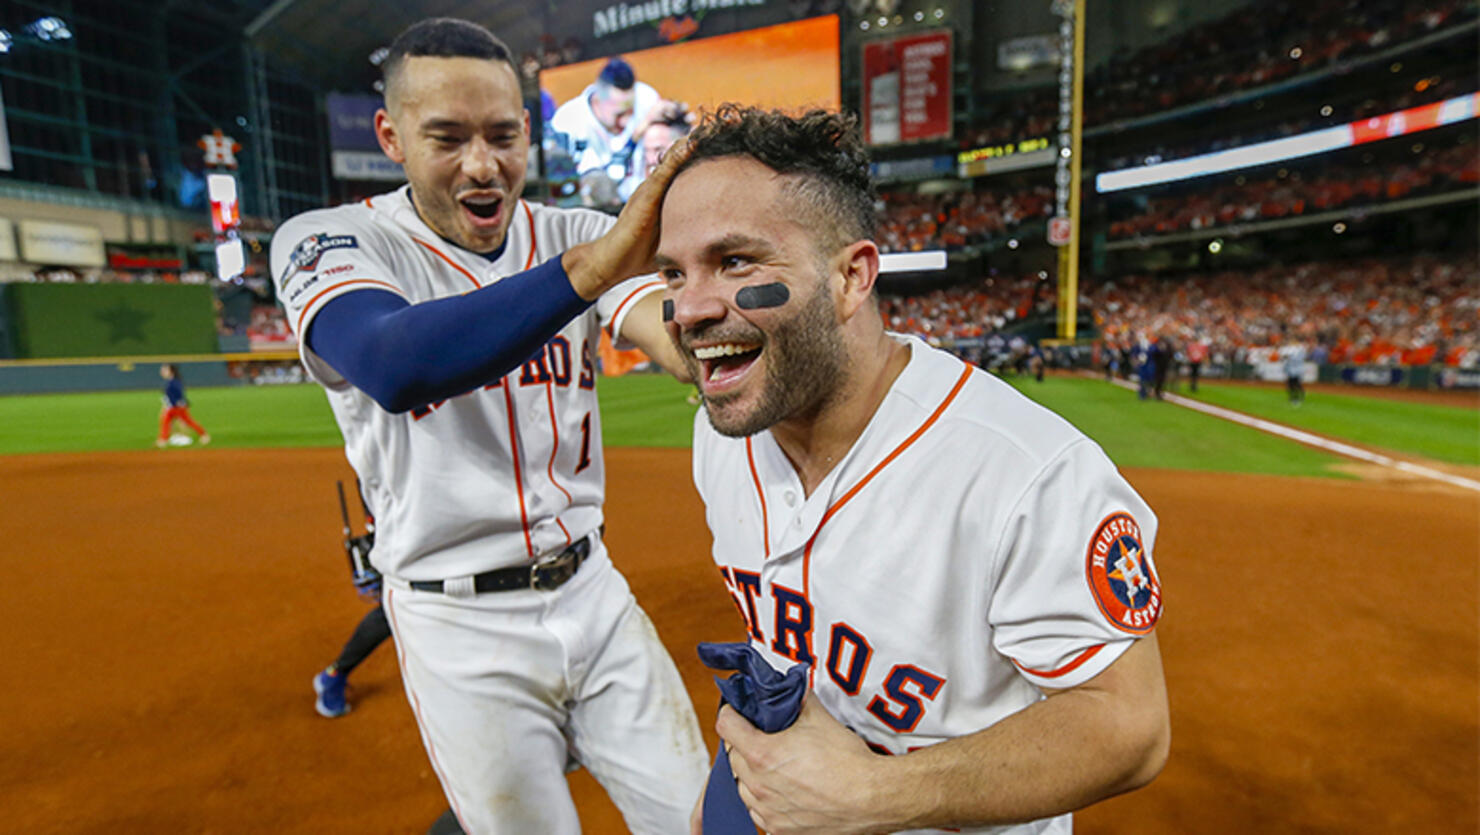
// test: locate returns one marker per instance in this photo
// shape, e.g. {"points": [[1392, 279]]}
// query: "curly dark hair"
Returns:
{"points": [[442, 37], [822, 149]]}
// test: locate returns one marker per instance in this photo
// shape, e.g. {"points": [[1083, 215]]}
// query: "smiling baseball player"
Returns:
{"points": [[968, 576], [452, 325]]}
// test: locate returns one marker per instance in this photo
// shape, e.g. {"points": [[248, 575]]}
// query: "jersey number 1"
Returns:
{"points": [[585, 443]]}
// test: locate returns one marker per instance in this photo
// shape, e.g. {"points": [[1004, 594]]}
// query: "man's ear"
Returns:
{"points": [[389, 137], [858, 264]]}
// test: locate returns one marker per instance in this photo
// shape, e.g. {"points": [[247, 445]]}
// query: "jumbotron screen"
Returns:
{"points": [[607, 121]]}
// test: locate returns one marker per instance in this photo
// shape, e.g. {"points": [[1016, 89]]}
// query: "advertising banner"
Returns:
{"points": [[907, 89], [1373, 375], [355, 153], [366, 165], [61, 244], [923, 168], [352, 121]]}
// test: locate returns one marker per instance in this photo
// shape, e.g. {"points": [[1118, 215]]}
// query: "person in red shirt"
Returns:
{"points": [[1197, 353]]}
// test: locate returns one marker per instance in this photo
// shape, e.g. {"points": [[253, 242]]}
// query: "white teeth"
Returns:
{"points": [[480, 201], [710, 352]]}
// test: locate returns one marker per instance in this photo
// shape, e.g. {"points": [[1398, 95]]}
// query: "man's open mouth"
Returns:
{"points": [[482, 208], [723, 364]]}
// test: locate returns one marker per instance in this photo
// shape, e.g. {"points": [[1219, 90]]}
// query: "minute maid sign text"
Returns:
{"points": [[614, 19]]}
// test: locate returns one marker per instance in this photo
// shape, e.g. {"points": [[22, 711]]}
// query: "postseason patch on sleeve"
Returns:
{"points": [[1121, 576], [305, 256]]}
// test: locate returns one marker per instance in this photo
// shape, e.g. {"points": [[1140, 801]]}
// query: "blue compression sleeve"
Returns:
{"points": [[406, 355]]}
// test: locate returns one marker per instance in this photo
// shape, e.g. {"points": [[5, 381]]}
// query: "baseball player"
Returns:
{"points": [[454, 329], [601, 119], [605, 127], [967, 577]]}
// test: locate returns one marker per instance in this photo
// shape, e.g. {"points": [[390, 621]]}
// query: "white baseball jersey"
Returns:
{"points": [[971, 547], [489, 478], [507, 687]]}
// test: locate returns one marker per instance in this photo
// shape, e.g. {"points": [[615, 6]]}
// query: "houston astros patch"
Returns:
{"points": [[1121, 576]]}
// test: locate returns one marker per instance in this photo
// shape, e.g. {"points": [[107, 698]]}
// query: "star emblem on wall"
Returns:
{"points": [[124, 322]]}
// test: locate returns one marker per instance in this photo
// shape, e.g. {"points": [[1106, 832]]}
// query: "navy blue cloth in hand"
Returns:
{"points": [[770, 700]]}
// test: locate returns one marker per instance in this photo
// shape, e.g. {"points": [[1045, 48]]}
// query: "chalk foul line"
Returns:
{"points": [[1301, 436]]}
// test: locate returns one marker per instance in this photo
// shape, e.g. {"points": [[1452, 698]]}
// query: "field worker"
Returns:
{"points": [[455, 327], [967, 576], [175, 406]]}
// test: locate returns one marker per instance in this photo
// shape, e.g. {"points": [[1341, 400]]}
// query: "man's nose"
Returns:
{"points": [[700, 300], [478, 162]]}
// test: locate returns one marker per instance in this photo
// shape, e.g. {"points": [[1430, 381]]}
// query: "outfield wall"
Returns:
{"points": [[109, 320], [42, 378], [131, 373]]}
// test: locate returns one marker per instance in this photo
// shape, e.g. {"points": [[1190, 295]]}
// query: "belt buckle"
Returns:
{"points": [[550, 572]]}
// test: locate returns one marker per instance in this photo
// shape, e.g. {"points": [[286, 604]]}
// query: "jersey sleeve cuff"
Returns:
{"points": [[632, 291], [1075, 668], [321, 371]]}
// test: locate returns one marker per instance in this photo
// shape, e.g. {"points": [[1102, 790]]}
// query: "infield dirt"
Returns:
{"points": [[166, 610]]}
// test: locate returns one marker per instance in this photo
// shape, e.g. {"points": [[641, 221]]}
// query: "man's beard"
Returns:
{"points": [[805, 369]]}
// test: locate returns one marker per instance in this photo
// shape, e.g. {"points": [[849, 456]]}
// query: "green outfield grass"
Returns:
{"points": [[651, 410], [1444, 433], [1148, 433], [247, 416], [645, 410], [637, 410]]}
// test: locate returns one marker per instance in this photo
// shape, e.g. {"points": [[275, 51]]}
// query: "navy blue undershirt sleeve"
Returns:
{"points": [[408, 355]]}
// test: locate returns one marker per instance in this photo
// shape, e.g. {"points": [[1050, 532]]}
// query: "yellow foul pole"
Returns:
{"points": [[1071, 77]]}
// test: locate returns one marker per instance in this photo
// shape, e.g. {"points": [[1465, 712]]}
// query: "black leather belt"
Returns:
{"points": [[546, 573]]}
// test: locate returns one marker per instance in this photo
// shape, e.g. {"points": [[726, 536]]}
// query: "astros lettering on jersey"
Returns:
{"points": [[543, 487], [970, 548]]}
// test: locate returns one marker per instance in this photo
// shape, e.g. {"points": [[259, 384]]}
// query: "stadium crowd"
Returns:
{"points": [[910, 222], [1248, 199], [1258, 45], [968, 311], [30, 273], [1417, 310], [1117, 91]]}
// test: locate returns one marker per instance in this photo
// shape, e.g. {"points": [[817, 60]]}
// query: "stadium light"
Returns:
{"points": [[49, 29], [909, 262], [1388, 125], [231, 259]]}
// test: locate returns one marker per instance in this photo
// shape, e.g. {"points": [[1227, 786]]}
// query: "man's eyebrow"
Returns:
{"points": [[436, 124], [728, 244], [736, 241]]}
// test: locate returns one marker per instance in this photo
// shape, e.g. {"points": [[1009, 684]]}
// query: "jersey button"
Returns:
{"points": [[791, 497]]}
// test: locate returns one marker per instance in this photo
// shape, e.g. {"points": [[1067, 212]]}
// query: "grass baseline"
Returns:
{"points": [[651, 410]]}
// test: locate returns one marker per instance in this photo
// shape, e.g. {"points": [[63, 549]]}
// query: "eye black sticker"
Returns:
{"points": [[774, 294]]}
